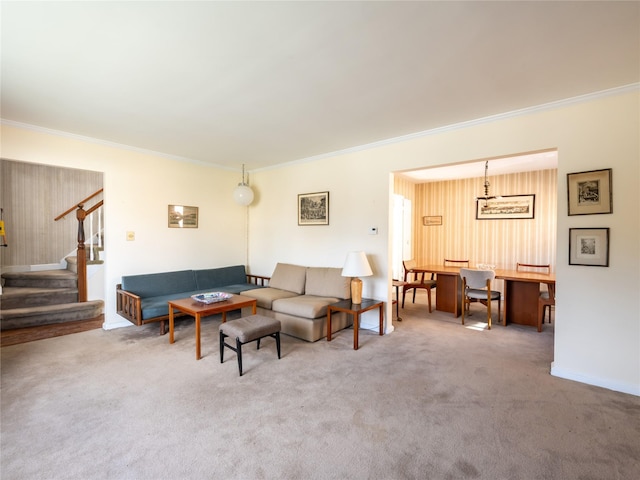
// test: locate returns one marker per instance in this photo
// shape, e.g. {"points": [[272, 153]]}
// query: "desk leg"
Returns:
{"points": [[381, 319], [170, 324], [329, 324], [356, 318], [197, 336]]}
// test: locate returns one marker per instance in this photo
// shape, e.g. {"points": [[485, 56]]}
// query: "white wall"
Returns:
{"points": [[597, 316], [137, 190], [597, 331]]}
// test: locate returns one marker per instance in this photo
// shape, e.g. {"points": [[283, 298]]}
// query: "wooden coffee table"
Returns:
{"points": [[198, 310]]}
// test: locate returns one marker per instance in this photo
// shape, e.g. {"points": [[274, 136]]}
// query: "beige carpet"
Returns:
{"points": [[433, 400]]}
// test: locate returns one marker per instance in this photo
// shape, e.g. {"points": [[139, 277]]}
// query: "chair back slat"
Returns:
{"points": [[456, 263], [537, 266]]}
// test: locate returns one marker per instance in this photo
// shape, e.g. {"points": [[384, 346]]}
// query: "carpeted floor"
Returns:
{"points": [[432, 400]]}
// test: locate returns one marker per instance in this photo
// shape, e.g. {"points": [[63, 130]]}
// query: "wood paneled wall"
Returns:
{"points": [[32, 196], [502, 243]]}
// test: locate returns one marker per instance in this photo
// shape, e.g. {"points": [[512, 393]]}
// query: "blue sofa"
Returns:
{"points": [[142, 299]]}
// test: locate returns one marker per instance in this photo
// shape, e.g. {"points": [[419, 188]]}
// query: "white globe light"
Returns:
{"points": [[242, 194]]}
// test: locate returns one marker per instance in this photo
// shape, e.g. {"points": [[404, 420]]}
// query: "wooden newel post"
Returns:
{"points": [[82, 256]]}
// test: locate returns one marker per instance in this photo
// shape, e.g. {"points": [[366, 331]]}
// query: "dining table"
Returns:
{"points": [[520, 295]]}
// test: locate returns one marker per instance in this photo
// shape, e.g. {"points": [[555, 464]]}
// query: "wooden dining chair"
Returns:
{"points": [[546, 296], [456, 263], [546, 299], [476, 287], [414, 280], [524, 267]]}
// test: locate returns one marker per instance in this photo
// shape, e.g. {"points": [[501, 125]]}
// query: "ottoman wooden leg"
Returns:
{"points": [[278, 343], [239, 352]]}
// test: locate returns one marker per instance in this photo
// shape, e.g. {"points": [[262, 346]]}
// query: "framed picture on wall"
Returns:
{"points": [[429, 221], [590, 192], [182, 216], [506, 207], [589, 246], [313, 208]]}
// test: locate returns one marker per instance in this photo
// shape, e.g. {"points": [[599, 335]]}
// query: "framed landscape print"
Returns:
{"points": [[313, 208], [430, 221], [182, 216], [506, 207], [589, 246], [590, 192]]}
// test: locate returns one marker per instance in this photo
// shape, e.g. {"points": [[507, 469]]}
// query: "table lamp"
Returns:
{"points": [[356, 266]]}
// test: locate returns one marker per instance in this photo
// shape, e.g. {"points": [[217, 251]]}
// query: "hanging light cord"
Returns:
{"points": [[486, 181]]}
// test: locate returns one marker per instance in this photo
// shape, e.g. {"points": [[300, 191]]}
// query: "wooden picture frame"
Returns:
{"points": [[433, 220], [590, 193], [313, 208], [183, 216], [506, 207], [589, 246]]}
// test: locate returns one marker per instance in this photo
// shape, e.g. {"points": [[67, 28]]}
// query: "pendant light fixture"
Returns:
{"points": [[242, 194], [486, 185]]}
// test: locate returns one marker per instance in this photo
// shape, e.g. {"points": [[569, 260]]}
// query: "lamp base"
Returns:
{"points": [[356, 291]]}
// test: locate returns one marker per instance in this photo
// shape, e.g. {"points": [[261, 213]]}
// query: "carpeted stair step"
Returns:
{"points": [[49, 314], [41, 279], [72, 263], [24, 297]]}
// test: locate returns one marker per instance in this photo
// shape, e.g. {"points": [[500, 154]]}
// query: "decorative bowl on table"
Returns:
{"points": [[212, 297]]}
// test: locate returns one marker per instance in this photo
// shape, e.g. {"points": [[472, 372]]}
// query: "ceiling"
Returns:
{"points": [[269, 83]]}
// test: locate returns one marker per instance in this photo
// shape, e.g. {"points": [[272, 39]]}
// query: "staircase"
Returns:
{"points": [[43, 298]]}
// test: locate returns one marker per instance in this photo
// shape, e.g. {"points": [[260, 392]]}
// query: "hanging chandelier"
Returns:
{"points": [[486, 196]]}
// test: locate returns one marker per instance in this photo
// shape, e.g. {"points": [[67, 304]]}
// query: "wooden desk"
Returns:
{"points": [[355, 309], [521, 293], [198, 310], [520, 298]]}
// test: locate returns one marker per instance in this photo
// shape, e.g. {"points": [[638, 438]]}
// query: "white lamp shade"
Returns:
{"points": [[356, 265], [242, 194]]}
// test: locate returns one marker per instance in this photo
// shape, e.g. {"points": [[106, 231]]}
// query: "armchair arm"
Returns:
{"points": [[128, 305], [258, 279]]}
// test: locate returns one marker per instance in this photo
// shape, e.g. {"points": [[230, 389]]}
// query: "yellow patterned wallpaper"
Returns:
{"points": [[502, 243]]}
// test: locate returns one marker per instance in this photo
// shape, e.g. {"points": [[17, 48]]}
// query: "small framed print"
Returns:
{"points": [[313, 208], [432, 220], [589, 246], [590, 193], [182, 216]]}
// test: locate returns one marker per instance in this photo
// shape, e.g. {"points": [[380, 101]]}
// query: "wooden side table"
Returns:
{"points": [[356, 310]]}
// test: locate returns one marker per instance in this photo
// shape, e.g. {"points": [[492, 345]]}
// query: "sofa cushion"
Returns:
{"points": [[265, 296], [306, 306], [327, 282], [213, 278], [289, 277], [153, 307], [156, 284]]}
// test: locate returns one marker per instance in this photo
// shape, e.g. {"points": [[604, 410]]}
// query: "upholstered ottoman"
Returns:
{"points": [[248, 329]]}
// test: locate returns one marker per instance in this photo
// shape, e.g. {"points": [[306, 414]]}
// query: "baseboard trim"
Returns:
{"points": [[597, 382]]}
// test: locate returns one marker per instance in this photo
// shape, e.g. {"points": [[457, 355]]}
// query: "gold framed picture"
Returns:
{"points": [[183, 216], [433, 220]]}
